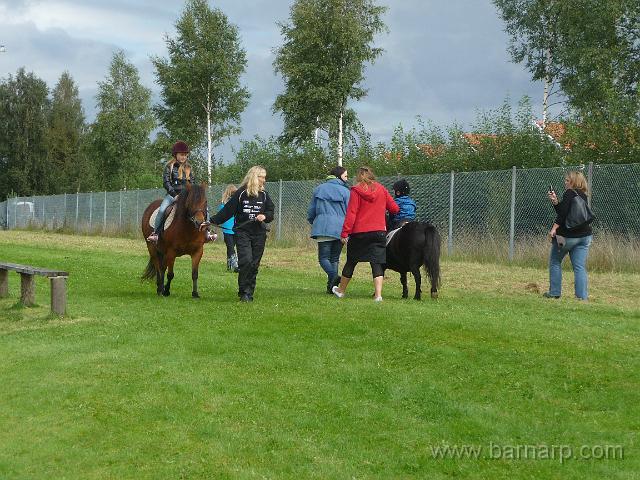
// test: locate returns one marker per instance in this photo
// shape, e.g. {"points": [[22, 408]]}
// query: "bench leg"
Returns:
{"points": [[27, 289], [59, 295], [4, 283]]}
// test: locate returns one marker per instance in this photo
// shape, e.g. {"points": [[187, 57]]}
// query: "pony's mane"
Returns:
{"points": [[191, 201]]}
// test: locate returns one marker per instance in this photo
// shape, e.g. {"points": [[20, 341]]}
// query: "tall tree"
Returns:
{"points": [[23, 121], [591, 47], [119, 138], [200, 81], [326, 46], [64, 135]]}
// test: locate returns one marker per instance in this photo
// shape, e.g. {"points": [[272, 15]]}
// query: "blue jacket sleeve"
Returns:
{"points": [[311, 211]]}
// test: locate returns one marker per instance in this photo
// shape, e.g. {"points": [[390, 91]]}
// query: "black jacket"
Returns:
{"points": [[172, 183], [244, 209], [562, 210]]}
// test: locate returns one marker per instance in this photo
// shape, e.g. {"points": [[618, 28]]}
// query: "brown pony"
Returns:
{"points": [[185, 236]]}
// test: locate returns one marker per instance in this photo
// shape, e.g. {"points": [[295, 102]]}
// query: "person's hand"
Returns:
{"points": [[260, 217], [553, 197], [552, 233], [344, 240]]}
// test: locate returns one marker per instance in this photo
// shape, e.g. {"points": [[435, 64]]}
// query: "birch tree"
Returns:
{"points": [[200, 80], [327, 44]]}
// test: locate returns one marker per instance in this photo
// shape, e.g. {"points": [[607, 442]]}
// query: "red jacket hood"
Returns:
{"points": [[369, 194]]}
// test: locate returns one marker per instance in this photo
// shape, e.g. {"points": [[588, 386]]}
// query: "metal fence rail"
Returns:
{"points": [[497, 206]]}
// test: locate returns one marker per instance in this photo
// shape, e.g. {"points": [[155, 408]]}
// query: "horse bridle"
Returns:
{"points": [[193, 217]]}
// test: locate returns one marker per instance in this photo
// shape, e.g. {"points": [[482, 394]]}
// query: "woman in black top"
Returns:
{"points": [[251, 208], [575, 241]]}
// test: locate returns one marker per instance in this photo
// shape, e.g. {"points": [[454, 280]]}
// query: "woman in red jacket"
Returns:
{"points": [[364, 230]]}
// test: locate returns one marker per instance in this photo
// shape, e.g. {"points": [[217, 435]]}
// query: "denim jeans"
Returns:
{"points": [[168, 200], [578, 249], [329, 257]]}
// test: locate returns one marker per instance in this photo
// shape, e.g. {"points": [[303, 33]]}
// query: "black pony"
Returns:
{"points": [[415, 245]]}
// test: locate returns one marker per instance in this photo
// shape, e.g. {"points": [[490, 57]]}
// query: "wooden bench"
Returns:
{"points": [[28, 285]]}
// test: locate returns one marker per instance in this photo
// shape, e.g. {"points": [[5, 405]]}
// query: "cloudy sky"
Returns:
{"points": [[443, 59]]}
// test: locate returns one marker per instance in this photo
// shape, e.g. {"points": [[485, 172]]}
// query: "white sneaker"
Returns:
{"points": [[336, 292], [377, 299]]}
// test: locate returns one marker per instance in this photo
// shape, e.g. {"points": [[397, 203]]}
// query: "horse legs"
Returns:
{"points": [[195, 261], [405, 289], [171, 258], [418, 278], [160, 268]]}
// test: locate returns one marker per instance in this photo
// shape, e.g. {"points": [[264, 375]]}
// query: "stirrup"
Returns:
{"points": [[210, 237], [153, 238]]}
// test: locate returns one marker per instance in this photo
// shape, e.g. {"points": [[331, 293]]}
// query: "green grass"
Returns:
{"points": [[303, 385]]}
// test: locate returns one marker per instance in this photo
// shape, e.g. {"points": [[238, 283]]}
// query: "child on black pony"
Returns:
{"points": [[407, 213]]}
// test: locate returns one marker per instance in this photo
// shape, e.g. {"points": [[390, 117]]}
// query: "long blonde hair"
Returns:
{"points": [[230, 190], [366, 177], [184, 169], [251, 181], [577, 181]]}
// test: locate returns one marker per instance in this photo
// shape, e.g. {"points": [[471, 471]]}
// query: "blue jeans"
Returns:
{"points": [[578, 249], [329, 257], [168, 200]]}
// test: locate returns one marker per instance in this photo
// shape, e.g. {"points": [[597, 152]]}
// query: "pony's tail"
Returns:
{"points": [[149, 272], [431, 257]]}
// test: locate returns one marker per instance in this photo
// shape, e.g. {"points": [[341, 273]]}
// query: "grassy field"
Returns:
{"points": [[303, 385]]}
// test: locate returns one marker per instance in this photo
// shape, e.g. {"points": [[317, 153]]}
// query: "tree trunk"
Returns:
{"points": [[209, 146], [340, 138], [547, 87]]}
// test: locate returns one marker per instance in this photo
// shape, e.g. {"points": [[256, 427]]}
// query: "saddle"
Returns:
{"points": [[391, 233], [169, 213]]}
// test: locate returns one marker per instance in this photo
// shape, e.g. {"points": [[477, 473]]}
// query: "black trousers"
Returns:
{"points": [[230, 242], [250, 247]]}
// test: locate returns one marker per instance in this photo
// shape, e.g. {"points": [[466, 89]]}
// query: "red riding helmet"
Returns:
{"points": [[179, 147]]}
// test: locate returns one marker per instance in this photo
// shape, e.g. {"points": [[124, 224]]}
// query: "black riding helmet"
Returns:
{"points": [[402, 187]]}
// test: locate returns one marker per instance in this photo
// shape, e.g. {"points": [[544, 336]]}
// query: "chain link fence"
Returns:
{"points": [[470, 209]]}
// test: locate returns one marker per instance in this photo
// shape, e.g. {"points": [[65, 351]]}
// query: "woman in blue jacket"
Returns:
{"points": [[326, 215]]}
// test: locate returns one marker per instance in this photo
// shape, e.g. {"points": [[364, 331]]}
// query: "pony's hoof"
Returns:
{"points": [[417, 297], [195, 294], [434, 295], [405, 295], [166, 293]]}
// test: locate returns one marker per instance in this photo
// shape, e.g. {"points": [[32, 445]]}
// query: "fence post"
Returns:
{"points": [[120, 212], [64, 215], [137, 214], [90, 210], [450, 235], [512, 223], [75, 228], [8, 224], [44, 224], [280, 210], [104, 213], [589, 183]]}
